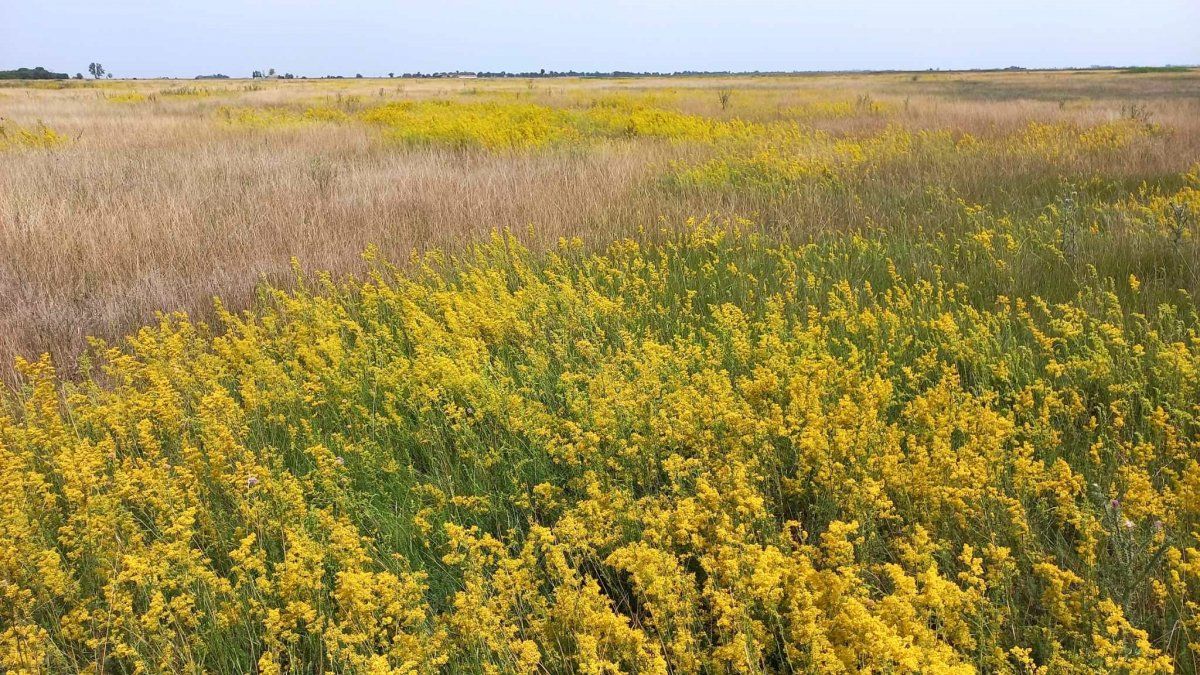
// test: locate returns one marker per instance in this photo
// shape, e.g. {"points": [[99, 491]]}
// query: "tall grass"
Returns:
{"points": [[168, 201]]}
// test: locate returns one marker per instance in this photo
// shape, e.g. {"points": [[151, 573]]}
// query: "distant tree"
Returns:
{"points": [[37, 73], [96, 70], [270, 72], [391, 74], [79, 76], [358, 75], [108, 75], [256, 74]]}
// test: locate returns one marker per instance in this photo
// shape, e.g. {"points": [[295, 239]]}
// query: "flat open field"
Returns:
{"points": [[830, 373], [160, 195]]}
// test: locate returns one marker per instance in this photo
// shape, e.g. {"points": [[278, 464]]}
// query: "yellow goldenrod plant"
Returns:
{"points": [[716, 453]]}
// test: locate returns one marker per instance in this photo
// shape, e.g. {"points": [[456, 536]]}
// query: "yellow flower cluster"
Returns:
{"points": [[835, 109], [1058, 141], [711, 454], [13, 136], [788, 155], [495, 126], [505, 125], [508, 126], [1174, 214], [279, 116], [773, 156], [785, 156]]}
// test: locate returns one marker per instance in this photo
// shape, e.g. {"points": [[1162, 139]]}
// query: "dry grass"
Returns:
{"points": [[155, 204]]}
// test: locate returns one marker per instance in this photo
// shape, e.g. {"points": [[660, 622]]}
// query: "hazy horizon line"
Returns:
{"points": [[278, 74]]}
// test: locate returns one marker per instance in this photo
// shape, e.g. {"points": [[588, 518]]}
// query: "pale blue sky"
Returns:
{"points": [[143, 38]]}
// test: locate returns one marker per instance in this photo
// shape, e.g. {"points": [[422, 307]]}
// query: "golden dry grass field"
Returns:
{"points": [[160, 195], [890, 373]]}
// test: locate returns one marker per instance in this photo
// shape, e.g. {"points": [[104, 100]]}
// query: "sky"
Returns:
{"points": [[184, 38]]}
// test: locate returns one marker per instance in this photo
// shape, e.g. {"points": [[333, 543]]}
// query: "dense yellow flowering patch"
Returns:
{"points": [[490, 125], [279, 116], [13, 136], [716, 453], [833, 109], [1175, 215], [1062, 141], [788, 155], [779, 156], [505, 125]]}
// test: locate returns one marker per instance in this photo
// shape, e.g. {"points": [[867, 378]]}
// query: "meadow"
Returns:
{"points": [[839, 373]]}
